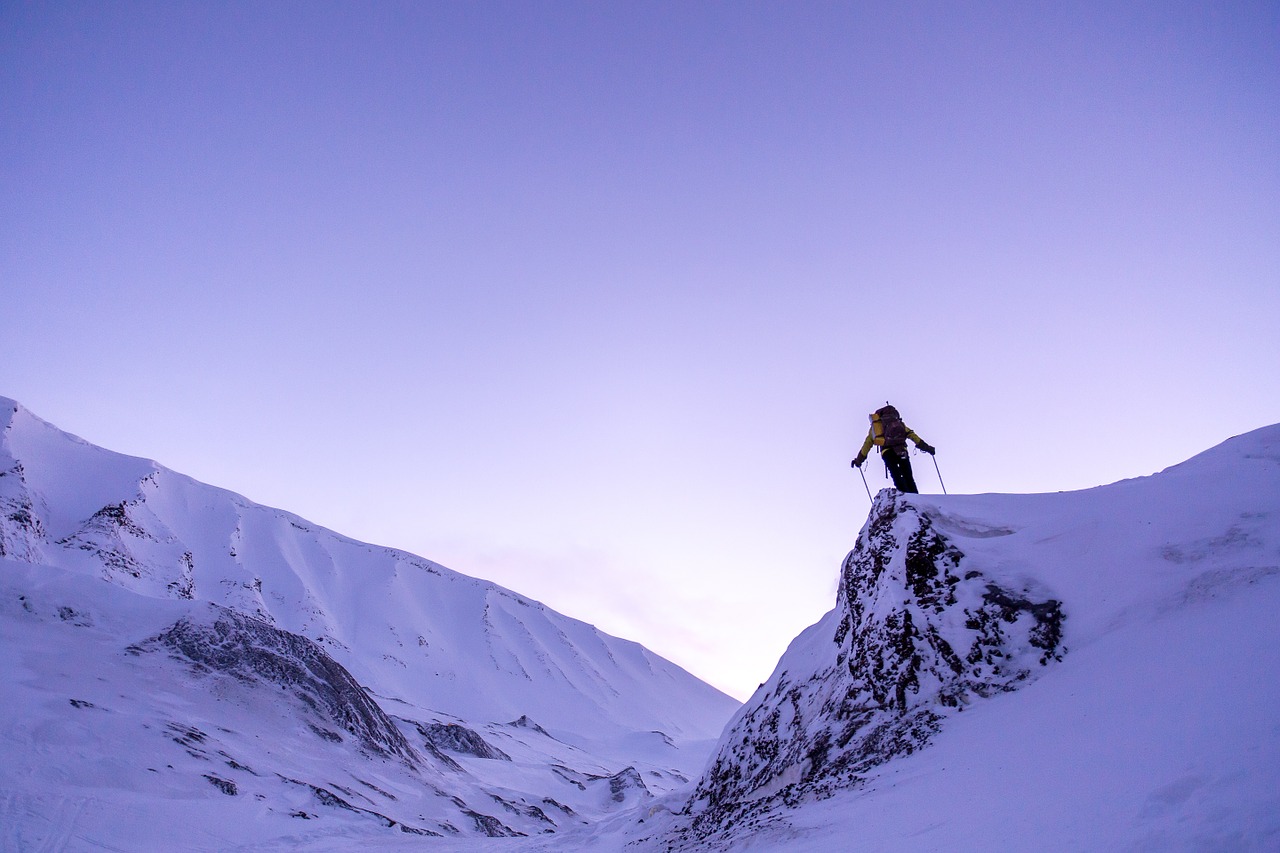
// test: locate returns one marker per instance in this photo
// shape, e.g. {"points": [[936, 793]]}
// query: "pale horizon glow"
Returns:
{"points": [[592, 300]]}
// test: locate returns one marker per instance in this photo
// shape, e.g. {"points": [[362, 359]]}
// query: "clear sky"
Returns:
{"points": [[592, 299]]}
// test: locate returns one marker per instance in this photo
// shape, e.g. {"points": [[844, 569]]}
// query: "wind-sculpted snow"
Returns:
{"points": [[918, 633]]}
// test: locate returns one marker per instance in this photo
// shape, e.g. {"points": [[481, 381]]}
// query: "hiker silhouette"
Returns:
{"points": [[890, 434]]}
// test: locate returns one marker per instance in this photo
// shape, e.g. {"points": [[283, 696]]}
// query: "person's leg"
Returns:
{"points": [[900, 470], [908, 478]]}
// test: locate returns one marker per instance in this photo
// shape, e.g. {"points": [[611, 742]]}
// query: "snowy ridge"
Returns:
{"points": [[1091, 670], [950, 606], [404, 626], [247, 654]]}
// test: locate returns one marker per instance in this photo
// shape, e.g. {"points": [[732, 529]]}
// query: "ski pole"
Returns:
{"points": [[864, 484], [936, 468]]}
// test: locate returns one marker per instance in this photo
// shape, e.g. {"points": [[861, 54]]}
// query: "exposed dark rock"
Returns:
{"points": [[107, 535], [491, 826], [75, 617], [190, 738], [417, 830], [21, 530], [326, 734], [387, 794], [325, 797], [522, 809], [625, 781], [559, 806], [236, 765], [226, 786], [185, 586], [451, 737], [916, 637], [251, 650], [573, 777], [525, 723]]}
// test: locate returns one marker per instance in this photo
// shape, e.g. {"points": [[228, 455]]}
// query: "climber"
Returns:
{"points": [[890, 434]]}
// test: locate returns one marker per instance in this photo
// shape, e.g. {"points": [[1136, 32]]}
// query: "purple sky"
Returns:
{"points": [[592, 299]]}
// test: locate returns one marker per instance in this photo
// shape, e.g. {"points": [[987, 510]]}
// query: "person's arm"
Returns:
{"points": [[920, 442], [866, 448]]}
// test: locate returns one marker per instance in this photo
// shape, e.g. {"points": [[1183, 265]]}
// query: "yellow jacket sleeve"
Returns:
{"points": [[866, 445]]}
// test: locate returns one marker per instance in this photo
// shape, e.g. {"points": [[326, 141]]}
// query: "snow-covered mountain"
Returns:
{"points": [[1096, 670], [175, 652], [1092, 670]]}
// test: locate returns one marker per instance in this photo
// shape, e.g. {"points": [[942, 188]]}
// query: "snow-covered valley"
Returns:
{"points": [[187, 670]]}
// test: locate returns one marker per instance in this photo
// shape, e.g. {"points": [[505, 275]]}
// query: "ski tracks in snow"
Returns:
{"points": [[37, 824]]}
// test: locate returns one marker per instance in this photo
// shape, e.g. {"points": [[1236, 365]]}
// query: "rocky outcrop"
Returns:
{"points": [[917, 634], [135, 549], [626, 785], [452, 737], [251, 650], [21, 530]]}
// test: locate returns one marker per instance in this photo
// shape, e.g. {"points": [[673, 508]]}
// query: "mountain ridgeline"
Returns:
{"points": [[483, 711], [188, 670]]}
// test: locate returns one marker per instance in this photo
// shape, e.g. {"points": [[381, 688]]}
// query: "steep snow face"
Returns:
{"points": [[405, 627], [177, 656], [950, 606]]}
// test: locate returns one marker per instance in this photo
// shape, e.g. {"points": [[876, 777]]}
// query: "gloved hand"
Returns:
{"points": [[857, 462], [926, 447]]}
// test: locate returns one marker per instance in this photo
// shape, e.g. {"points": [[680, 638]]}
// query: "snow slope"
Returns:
{"points": [[1093, 670], [1157, 727], [180, 655]]}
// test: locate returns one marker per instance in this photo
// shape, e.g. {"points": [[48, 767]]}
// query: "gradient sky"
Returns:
{"points": [[592, 299]]}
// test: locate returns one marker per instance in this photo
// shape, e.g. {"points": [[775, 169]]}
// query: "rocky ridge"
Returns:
{"points": [[918, 633]]}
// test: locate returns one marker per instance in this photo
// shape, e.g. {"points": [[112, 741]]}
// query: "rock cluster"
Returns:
{"points": [[917, 634]]}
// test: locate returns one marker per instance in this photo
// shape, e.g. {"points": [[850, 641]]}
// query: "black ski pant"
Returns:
{"points": [[899, 465]]}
